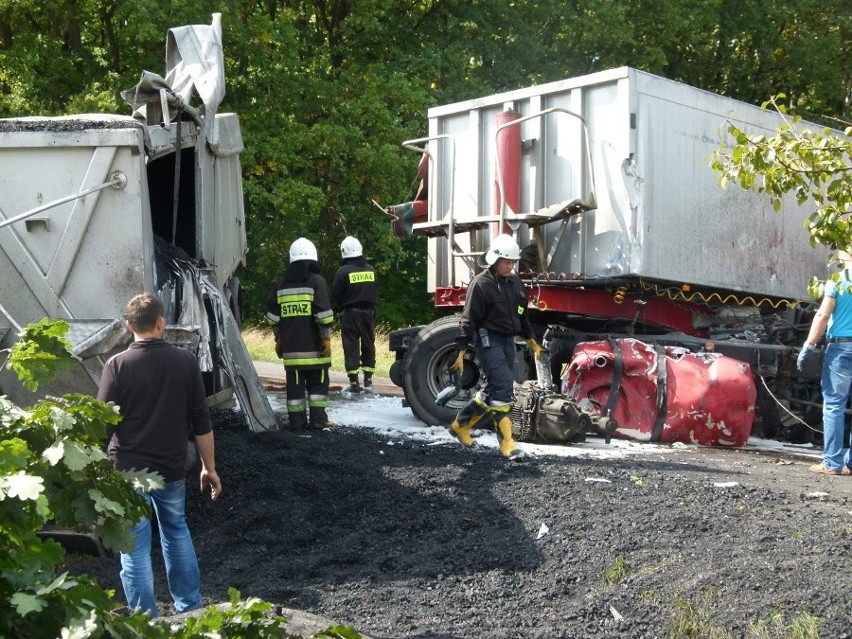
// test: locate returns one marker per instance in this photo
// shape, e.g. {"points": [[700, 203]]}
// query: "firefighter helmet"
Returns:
{"points": [[350, 247], [303, 249], [503, 246]]}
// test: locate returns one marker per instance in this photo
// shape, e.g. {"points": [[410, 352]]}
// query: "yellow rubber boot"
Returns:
{"points": [[507, 443], [470, 415], [462, 433]]}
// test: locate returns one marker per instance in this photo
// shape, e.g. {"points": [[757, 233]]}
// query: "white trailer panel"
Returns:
{"points": [[84, 258], [660, 212]]}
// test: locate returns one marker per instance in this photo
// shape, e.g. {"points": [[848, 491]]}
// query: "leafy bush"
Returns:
{"points": [[53, 470]]}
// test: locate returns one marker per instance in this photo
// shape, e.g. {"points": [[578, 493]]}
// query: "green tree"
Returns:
{"points": [[330, 146], [813, 165]]}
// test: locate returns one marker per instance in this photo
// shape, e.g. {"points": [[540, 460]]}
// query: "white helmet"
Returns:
{"points": [[503, 246], [303, 249], [350, 247]]}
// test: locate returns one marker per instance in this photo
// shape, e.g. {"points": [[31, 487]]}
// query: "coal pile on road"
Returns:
{"points": [[404, 539]]}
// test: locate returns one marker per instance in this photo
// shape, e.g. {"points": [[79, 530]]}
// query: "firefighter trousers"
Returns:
{"points": [[307, 396], [358, 336], [497, 363]]}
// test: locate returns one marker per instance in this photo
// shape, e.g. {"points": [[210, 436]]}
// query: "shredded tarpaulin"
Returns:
{"points": [[664, 394]]}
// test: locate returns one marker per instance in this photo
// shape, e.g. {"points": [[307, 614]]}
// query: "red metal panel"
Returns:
{"points": [[450, 297], [596, 303], [509, 157]]}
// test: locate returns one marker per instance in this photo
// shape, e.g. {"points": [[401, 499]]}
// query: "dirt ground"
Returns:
{"points": [[414, 540]]}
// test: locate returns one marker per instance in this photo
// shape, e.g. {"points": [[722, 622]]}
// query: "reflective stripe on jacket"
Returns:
{"points": [[301, 313]]}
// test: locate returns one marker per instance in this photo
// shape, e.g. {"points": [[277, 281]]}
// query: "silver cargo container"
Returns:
{"points": [[96, 208], [658, 213]]}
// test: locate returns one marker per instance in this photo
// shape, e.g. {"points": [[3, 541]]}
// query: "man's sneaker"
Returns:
{"points": [[823, 470]]}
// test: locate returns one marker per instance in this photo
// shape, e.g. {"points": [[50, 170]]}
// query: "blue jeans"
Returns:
{"points": [[137, 575], [836, 383]]}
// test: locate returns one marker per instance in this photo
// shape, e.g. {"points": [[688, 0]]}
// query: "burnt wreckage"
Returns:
{"points": [[97, 208]]}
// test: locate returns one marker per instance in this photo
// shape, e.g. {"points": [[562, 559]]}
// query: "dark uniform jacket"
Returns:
{"points": [[355, 284], [301, 313], [496, 304], [160, 394]]}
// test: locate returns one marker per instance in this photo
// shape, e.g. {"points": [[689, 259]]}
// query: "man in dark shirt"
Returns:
{"points": [[354, 290], [160, 394]]}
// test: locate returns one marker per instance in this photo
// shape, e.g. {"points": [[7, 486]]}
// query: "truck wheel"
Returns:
{"points": [[427, 361], [397, 373]]}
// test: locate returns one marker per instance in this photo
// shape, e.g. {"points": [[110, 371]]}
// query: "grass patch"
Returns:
{"points": [[261, 347], [804, 626], [616, 573], [695, 620]]}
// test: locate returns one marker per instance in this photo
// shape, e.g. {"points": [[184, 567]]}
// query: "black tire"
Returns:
{"points": [[397, 373], [426, 372]]}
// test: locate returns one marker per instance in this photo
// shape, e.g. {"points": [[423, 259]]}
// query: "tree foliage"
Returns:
{"points": [[326, 90], [813, 165]]}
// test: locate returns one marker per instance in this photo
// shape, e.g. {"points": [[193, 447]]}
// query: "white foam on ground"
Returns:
{"points": [[389, 418]]}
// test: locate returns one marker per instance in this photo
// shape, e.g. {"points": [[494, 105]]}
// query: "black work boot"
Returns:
{"points": [[353, 389], [297, 420], [319, 420]]}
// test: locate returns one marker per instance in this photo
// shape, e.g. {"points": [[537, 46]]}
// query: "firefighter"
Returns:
{"points": [[354, 290], [495, 310], [300, 311]]}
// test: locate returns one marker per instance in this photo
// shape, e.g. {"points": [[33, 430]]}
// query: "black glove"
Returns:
{"points": [[807, 349]]}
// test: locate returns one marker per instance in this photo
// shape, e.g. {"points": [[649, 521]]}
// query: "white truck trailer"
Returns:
{"points": [[604, 180], [97, 208]]}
